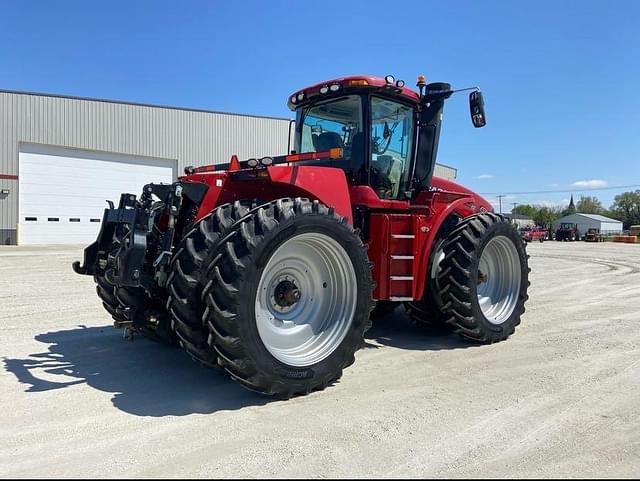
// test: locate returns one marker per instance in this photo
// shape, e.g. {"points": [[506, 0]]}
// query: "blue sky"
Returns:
{"points": [[561, 79]]}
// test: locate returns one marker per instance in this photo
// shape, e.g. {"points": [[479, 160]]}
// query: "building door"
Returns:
{"points": [[62, 192]]}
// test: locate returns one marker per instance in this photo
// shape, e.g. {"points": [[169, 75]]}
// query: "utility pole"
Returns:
{"points": [[513, 212], [500, 200]]}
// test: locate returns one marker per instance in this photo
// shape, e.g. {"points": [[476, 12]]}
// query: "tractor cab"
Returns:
{"points": [[388, 133]]}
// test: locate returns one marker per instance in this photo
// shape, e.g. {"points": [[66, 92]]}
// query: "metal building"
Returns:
{"points": [[591, 221], [61, 157], [519, 220]]}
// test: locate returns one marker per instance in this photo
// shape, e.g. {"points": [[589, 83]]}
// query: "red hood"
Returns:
{"points": [[450, 186]]}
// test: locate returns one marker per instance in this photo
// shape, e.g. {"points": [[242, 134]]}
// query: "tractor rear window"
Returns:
{"points": [[337, 123]]}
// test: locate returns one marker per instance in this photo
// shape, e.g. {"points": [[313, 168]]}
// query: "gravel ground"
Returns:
{"points": [[560, 398]]}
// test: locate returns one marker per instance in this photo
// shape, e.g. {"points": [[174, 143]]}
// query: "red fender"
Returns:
{"points": [[426, 228], [327, 185]]}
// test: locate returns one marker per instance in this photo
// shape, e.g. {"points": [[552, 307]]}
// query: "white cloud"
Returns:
{"points": [[485, 176], [591, 184]]}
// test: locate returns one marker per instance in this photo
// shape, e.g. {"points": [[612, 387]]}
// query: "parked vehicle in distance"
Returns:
{"points": [[594, 235], [567, 231], [533, 233]]}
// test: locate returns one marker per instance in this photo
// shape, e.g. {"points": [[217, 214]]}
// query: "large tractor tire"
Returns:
{"points": [[288, 298], [195, 252], [427, 313], [484, 278], [130, 304]]}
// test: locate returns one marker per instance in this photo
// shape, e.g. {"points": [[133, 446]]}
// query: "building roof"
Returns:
{"points": [[599, 218], [138, 104], [596, 217]]}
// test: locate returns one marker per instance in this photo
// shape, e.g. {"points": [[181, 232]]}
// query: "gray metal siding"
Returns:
{"points": [[188, 136]]}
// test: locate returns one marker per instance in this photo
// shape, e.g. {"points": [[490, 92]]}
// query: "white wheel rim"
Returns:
{"points": [[301, 329], [499, 278]]}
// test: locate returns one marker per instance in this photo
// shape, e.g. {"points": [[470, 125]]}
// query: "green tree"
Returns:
{"points": [[526, 210], [545, 216], [626, 207], [589, 205]]}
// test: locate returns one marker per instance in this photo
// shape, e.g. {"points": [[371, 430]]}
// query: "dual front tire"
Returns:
{"points": [[481, 280]]}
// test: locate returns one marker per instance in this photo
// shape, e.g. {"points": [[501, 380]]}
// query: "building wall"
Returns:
{"points": [[191, 137], [611, 227]]}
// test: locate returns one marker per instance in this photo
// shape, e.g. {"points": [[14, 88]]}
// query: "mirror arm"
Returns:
{"points": [[477, 89], [445, 94]]}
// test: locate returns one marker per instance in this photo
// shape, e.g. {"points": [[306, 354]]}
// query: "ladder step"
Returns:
{"points": [[400, 299], [402, 258], [401, 278], [403, 236]]}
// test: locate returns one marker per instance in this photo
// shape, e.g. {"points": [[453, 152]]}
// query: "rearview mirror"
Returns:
{"points": [[476, 106]]}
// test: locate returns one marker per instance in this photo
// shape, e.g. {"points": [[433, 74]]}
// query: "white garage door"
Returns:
{"points": [[63, 191]]}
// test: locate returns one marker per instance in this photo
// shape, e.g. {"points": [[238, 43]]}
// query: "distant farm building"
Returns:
{"points": [[591, 221]]}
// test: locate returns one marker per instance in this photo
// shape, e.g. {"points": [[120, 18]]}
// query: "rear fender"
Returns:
{"points": [[325, 184]]}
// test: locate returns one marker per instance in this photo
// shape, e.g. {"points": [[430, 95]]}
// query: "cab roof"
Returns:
{"points": [[355, 83]]}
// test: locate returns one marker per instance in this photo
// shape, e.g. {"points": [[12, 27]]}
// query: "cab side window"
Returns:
{"points": [[391, 144]]}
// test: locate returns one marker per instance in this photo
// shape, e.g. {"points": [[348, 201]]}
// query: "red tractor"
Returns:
{"points": [[270, 267], [568, 231]]}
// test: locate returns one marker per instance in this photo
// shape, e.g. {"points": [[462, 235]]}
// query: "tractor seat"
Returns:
{"points": [[327, 141]]}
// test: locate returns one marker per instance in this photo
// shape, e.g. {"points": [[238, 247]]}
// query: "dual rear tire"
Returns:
{"points": [[285, 297], [187, 279]]}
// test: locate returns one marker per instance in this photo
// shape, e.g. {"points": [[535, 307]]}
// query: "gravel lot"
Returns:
{"points": [[560, 398]]}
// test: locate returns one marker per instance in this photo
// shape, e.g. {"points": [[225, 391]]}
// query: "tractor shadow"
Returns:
{"points": [[149, 379], [397, 330], [145, 378]]}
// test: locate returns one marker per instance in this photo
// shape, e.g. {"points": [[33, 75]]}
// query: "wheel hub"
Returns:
{"points": [[482, 277], [285, 295]]}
